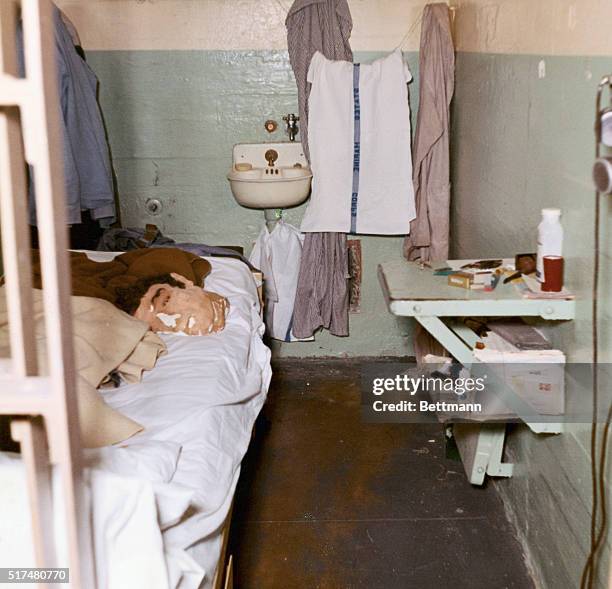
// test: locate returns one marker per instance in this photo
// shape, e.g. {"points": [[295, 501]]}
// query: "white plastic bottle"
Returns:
{"points": [[550, 238]]}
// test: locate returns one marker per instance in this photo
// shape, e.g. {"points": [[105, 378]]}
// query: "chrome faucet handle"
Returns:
{"points": [[292, 125]]}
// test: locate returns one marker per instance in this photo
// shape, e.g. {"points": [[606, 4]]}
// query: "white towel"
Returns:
{"points": [[359, 135]]}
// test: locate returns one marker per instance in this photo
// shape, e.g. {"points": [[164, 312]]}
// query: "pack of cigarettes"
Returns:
{"points": [[472, 279], [461, 279]]}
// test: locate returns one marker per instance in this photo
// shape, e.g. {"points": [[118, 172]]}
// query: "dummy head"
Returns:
{"points": [[170, 303]]}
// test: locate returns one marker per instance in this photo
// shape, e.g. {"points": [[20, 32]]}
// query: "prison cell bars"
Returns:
{"points": [[43, 409]]}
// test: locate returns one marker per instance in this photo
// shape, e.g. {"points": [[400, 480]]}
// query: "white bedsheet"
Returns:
{"points": [[198, 405]]}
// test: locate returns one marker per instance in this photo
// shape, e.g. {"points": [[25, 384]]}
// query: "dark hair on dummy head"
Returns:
{"points": [[128, 297]]}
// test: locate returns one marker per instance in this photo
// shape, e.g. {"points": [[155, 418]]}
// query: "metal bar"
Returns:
{"points": [[555, 309], [16, 244], [54, 396], [13, 209], [545, 428], [474, 454], [30, 433], [26, 395], [465, 333], [223, 564], [453, 18], [13, 91], [9, 15], [43, 140], [481, 448], [497, 437], [455, 346]]}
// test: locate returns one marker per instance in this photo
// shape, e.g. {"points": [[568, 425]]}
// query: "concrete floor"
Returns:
{"points": [[326, 501]]}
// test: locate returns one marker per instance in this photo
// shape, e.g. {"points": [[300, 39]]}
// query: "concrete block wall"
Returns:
{"points": [[523, 140]]}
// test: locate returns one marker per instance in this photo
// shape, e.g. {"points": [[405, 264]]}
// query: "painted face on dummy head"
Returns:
{"points": [[188, 310]]}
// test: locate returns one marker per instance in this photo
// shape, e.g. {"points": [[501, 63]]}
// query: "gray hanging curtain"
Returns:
{"points": [[429, 232], [322, 291]]}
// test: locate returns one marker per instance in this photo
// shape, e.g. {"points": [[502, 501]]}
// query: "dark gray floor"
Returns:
{"points": [[326, 501]]}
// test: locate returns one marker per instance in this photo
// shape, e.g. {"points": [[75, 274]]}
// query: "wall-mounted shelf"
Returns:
{"points": [[414, 291]]}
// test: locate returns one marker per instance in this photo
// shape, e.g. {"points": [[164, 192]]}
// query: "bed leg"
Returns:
{"points": [[229, 573]]}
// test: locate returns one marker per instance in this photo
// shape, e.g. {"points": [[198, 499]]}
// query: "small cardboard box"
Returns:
{"points": [[536, 376], [461, 279]]}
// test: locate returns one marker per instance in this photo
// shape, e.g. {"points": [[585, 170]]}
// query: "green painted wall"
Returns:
{"points": [[521, 143], [173, 117]]}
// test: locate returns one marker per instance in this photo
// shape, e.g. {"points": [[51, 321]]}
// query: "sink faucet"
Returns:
{"points": [[292, 125]]}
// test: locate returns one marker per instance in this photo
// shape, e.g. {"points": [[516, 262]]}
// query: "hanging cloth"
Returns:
{"points": [[322, 293], [277, 254], [88, 173], [429, 232], [325, 26], [360, 149], [315, 25]]}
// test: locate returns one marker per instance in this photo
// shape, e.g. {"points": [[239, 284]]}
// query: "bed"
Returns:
{"points": [[162, 499]]}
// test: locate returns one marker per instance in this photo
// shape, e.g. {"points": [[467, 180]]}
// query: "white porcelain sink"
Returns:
{"points": [[269, 175]]}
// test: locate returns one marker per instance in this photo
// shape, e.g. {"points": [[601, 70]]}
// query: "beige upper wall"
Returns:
{"points": [[549, 27], [228, 24]]}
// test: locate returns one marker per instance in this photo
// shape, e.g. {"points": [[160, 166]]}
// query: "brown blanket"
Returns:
{"points": [[102, 279]]}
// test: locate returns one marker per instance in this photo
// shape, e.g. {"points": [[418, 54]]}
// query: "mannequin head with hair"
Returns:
{"points": [[170, 303]]}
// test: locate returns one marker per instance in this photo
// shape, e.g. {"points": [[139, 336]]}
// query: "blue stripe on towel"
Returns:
{"points": [[289, 328], [356, 147]]}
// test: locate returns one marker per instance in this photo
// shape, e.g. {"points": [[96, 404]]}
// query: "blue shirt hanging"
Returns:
{"points": [[87, 166]]}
